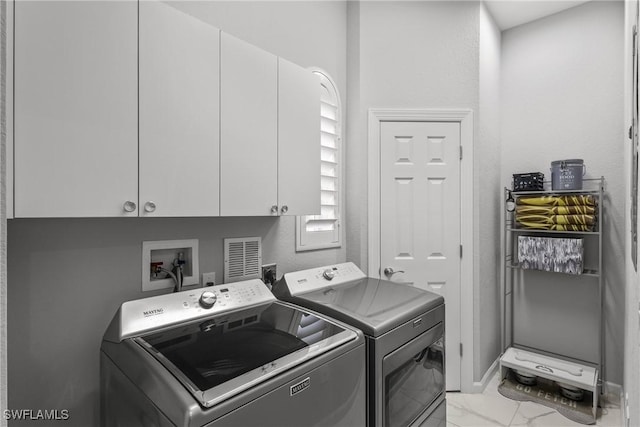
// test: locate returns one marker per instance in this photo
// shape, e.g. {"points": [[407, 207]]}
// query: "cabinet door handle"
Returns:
{"points": [[284, 209], [129, 206], [274, 210], [149, 207]]}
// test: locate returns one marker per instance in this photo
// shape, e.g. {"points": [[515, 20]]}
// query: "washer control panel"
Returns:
{"points": [[147, 314], [313, 279]]}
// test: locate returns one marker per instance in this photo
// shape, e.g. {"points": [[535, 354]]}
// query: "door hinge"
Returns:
{"points": [[630, 132], [460, 349], [460, 251], [461, 152]]}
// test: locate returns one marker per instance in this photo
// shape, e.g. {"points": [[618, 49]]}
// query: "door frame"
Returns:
{"points": [[465, 118]]}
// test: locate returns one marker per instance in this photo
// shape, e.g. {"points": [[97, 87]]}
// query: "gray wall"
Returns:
{"points": [[66, 277], [3, 212], [487, 259], [631, 380], [414, 54], [562, 98], [427, 55]]}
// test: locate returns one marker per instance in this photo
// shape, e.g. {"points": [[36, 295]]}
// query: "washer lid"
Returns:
{"points": [[372, 305], [225, 355]]}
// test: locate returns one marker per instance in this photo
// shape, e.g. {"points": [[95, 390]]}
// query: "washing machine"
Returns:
{"points": [[230, 355], [404, 333]]}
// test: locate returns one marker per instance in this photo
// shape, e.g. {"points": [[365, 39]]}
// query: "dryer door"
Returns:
{"points": [[413, 377]]}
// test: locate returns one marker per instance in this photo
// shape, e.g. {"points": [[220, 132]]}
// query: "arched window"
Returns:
{"points": [[323, 231]]}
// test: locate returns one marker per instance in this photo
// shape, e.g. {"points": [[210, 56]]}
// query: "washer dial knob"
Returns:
{"points": [[208, 299], [328, 274]]}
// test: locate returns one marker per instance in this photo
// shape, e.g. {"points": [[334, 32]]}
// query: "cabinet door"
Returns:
{"points": [[298, 140], [179, 113], [248, 129], [76, 129]]}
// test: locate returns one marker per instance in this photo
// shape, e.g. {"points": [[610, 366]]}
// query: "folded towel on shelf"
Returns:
{"points": [[557, 219], [555, 210], [556, 227], [583, 199]]}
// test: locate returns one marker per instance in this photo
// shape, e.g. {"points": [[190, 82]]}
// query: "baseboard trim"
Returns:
{"points": [[616, 391], [479, 386]]}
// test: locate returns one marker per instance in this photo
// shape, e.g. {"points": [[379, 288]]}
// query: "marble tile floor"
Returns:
{"points": [[490, 409]]}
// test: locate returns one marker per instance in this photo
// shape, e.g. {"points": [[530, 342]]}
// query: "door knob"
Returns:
{"points": [[390, 271]]}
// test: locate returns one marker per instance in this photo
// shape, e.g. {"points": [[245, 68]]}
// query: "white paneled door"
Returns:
{"points": [[420, 217]]}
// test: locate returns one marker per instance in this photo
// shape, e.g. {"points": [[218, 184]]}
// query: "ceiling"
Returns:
{"points": [[511, 13]]}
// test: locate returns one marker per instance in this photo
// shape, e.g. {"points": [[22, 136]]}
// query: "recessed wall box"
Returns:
{"points": [[159, 256]]}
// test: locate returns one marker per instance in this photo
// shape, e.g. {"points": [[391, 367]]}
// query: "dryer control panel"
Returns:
{"points": [[145, 315], [299, 282]]}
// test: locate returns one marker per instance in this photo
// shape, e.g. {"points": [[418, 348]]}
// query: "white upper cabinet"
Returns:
{"points": [[248, 129], [76, 129], [138, 109], [298, 140], [179, 113]]}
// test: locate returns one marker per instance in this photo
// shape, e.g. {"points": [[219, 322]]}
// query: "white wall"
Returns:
{"points": [[309, 33], [562, 91], [631, 380], [66, 277], [487, 259]]}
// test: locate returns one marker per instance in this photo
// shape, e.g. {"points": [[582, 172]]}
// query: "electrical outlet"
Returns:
{"points": [[269, 274], [208, 278]]}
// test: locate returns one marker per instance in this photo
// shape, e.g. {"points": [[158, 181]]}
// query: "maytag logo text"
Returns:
{"points": [[153, 312], [301, 386]]}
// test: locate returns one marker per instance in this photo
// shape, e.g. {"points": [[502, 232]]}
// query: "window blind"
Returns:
{"points": [[323, 230], [329, 173]]}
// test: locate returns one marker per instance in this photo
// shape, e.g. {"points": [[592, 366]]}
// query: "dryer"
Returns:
{"points": [[404, 333], [229, 355]]}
